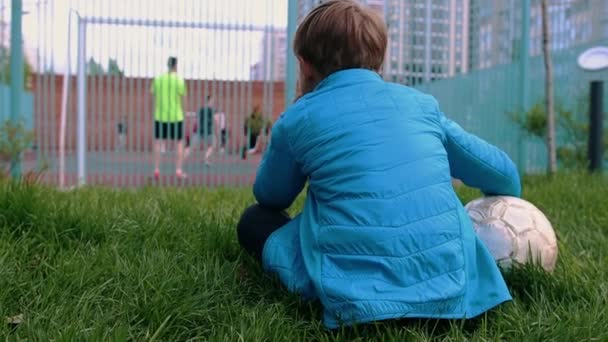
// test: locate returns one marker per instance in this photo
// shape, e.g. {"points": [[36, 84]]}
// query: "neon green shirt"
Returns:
{"points": [[168, 90]]}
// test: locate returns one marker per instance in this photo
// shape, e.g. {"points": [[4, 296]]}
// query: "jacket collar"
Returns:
{"points": [[348, 76]]}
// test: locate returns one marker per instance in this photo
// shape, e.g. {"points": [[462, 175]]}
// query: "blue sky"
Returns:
{"points": [[142, 51]]}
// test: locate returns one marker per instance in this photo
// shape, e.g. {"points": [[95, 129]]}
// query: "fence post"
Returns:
{"points": [[82, 104], [290, 79], [524, 84], [16, 75]]}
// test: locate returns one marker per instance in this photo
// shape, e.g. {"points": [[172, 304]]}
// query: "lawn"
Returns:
{"points": [[158, 264]]}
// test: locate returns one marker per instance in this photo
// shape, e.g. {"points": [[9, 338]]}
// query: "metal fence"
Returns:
{"points": [[94, 63], [506, 73], [486, 101], [89, 66]]}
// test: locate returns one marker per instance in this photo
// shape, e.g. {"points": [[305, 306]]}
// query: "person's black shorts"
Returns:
{"points": [[224, 137], [169, 130]]}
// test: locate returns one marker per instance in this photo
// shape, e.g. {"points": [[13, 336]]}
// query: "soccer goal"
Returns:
{"points": [[107, 123]]}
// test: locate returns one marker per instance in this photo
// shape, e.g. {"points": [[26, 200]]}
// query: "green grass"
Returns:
{"points": [[100, 264]]}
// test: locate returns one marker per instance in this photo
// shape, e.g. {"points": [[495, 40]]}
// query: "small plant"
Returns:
{"points": [[572, 132], [5, 69], [534, 121], [14, 140]]}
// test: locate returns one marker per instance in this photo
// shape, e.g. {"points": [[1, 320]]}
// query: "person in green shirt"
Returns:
{"points": [[168, 90], [255, 124]]}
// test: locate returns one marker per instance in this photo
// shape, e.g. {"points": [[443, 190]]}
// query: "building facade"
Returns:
{"points": [[496, 28], [435, 39], [427, 39], [271, 65]]}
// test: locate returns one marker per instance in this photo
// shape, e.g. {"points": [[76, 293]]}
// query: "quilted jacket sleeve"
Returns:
{"points": [[479, 164], [279, 178]]}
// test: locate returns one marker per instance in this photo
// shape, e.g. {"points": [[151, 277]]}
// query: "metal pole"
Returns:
{"points": [[16, 76], [175, 24], [82, 104], [596, 111], [427, 42], [290, 79], [524, 85], [64, 102]]}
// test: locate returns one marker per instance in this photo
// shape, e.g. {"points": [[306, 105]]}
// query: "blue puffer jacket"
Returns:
{"points": [[382, 234]]}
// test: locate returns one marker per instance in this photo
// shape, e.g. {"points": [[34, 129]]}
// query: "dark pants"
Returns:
{"points": [[224, 137], [169, 130], [257, 224], [253, 140]]}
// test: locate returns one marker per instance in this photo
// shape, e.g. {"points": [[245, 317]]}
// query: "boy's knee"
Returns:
{"points": [[247, 216], [257, 212], [259, 221]]}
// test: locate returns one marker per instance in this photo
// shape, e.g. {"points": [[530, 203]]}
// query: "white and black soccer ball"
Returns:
{"points": [[514, 231]]}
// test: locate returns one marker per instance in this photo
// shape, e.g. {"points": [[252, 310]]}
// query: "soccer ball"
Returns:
{"points": [[514, 231]]}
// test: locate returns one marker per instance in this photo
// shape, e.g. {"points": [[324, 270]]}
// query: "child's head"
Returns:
{"points": [[338, 35]]}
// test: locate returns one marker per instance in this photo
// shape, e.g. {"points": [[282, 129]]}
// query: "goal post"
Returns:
{"points": [[83, 23]]}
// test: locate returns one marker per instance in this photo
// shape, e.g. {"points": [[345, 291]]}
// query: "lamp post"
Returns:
{"points": [[593, 60]]}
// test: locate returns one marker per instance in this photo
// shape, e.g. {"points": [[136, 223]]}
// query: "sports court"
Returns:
{"points": [[125, 169]]}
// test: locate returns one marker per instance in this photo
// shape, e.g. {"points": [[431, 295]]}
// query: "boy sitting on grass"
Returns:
{"points": [[382, 234]]}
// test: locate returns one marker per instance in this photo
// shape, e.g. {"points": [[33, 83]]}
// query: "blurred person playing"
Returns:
{"points": [[220, 123], [207, 128], [169, 90], [255, 125]]}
